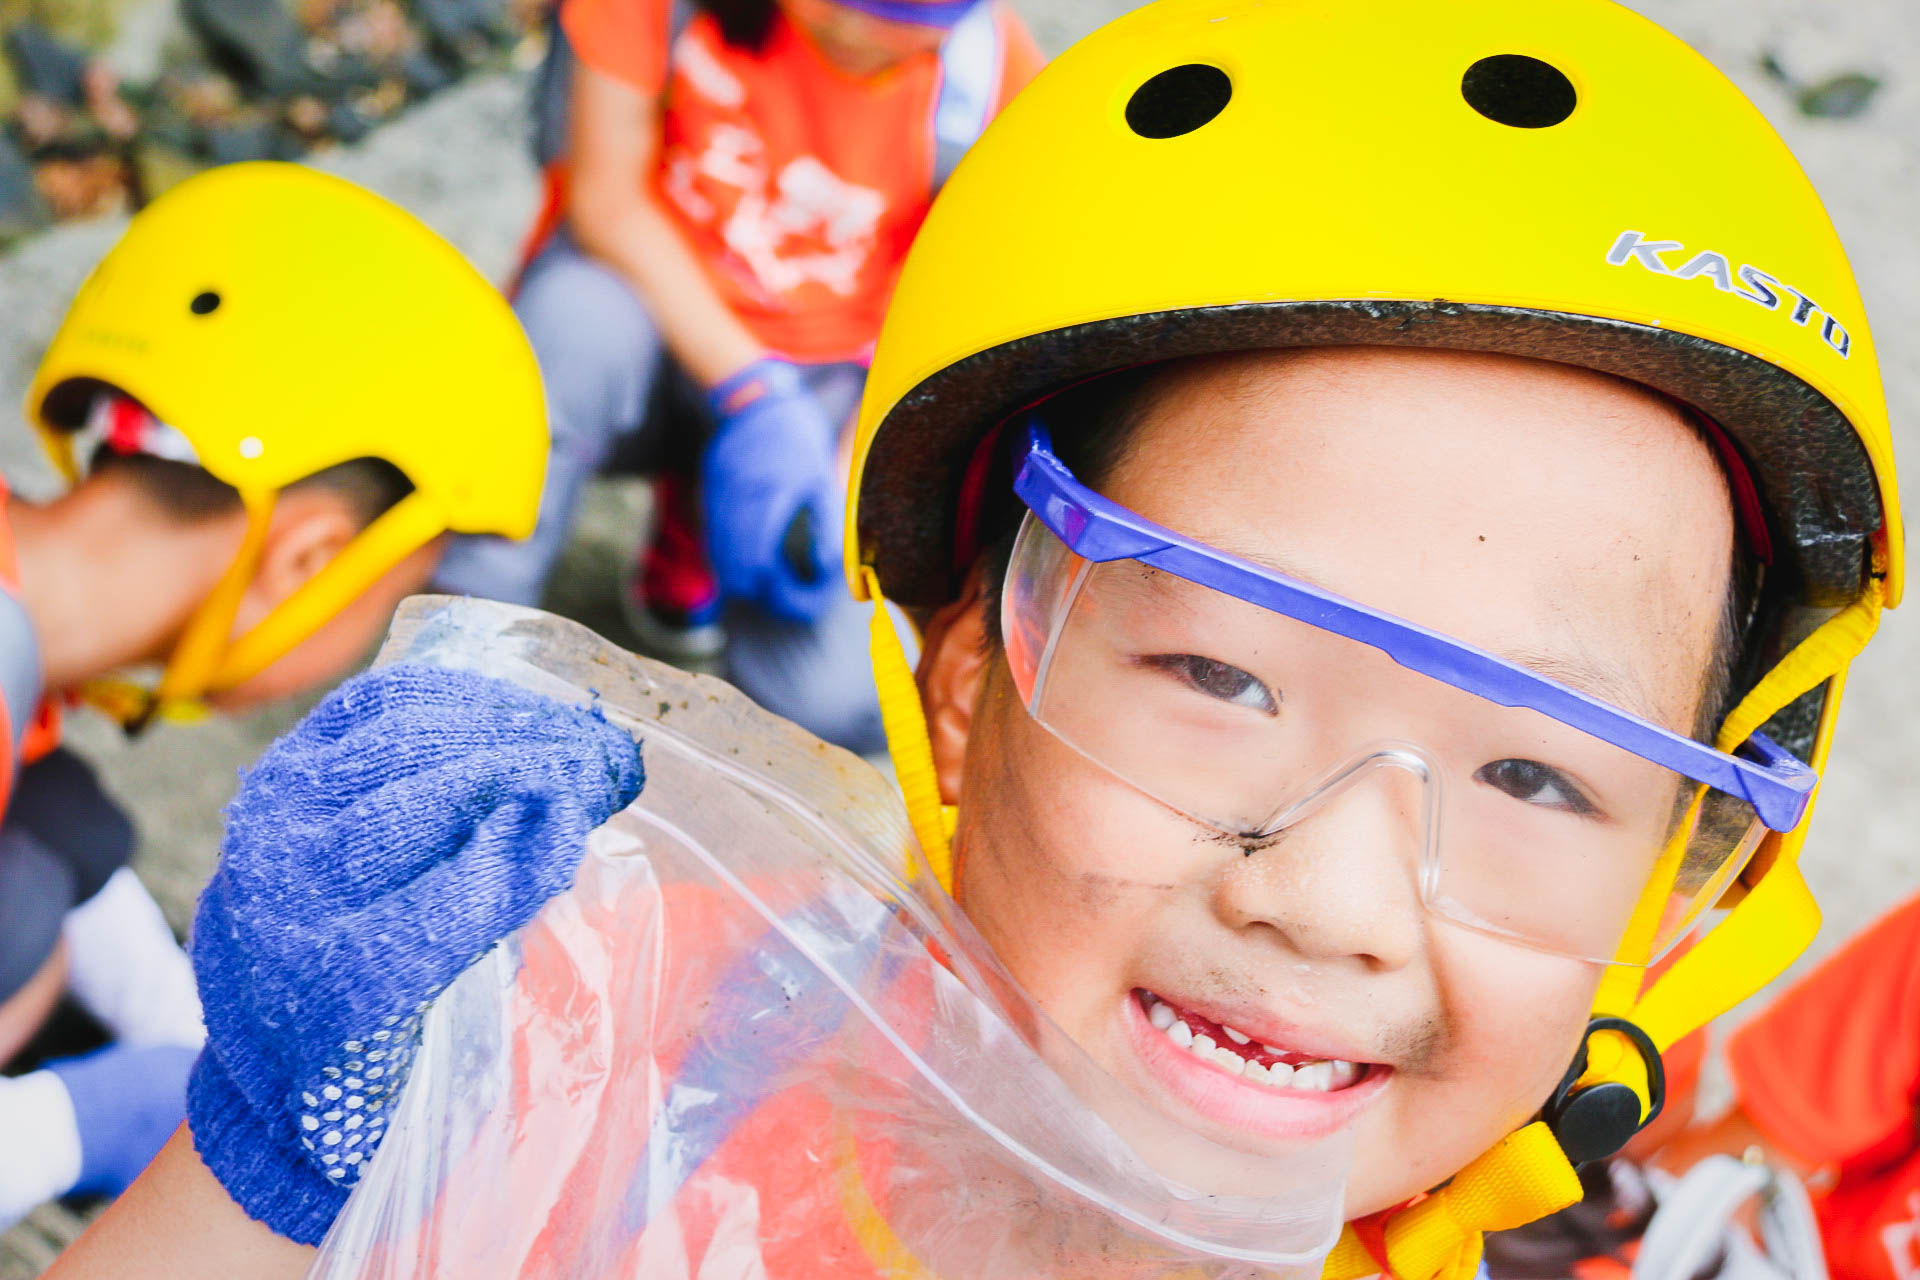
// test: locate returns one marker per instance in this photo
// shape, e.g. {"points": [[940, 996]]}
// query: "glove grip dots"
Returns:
{"points": [[1594, 1122]]}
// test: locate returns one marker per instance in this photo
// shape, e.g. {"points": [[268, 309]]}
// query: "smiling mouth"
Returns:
{"points": [[1239, 1054]]}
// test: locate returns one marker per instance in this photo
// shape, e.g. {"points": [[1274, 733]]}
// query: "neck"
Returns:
{"points": [[109, 580]]}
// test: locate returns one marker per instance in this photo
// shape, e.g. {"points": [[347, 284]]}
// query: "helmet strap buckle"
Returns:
{"points": [[1594, 1122]]}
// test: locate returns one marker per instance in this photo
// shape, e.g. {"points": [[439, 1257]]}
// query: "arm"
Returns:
{"points": [[414, 819], [615, 137], [177, 1223], [1828, 1074]]}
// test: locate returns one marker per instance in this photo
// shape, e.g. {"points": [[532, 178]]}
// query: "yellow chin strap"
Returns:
{"points": [[208, 659], [1526, 1176]]}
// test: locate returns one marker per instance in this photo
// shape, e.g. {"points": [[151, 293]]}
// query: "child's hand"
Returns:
{"points": [[773, 496], [417, 817]]}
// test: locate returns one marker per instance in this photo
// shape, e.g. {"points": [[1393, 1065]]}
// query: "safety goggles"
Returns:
{"points": [[944, 14], [1269, 708]]}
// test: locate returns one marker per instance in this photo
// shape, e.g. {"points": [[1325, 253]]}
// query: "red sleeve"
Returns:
{"points": [[1831, 1071], [1022, 60], [625, 39]]}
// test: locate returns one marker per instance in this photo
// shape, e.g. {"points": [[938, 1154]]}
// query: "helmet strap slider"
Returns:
{"points": [[1595, 1122]]}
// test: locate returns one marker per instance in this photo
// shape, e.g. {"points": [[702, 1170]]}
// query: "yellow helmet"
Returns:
{"points": [[1563, 181], [285, 321]]}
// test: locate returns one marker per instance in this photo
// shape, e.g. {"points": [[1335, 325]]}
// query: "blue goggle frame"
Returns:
{"points": [[946, 15], [1778, 786]]}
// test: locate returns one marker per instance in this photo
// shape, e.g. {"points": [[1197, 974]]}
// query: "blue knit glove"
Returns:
{"points": [[417, 817], [773, 502], [127, 1101]]}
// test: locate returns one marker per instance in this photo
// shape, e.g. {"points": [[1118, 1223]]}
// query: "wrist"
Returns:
{"points": [[753, 382], [257, 1161]]}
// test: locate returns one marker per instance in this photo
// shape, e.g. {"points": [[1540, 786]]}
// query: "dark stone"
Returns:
{"points": [[258, 42], [238, 143], [46, 65], [1840, 97], [424, 74], [462, 32], [345, 122], [21, 208]]}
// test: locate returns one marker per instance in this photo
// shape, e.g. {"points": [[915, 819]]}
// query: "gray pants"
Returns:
{"points": [[62, 839], [603, 362]]}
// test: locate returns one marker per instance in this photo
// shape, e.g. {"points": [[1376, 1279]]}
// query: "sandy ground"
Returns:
{"points": [[459, 162]]}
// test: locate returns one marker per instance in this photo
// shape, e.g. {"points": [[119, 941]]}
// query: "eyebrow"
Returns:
{"points": [[1610, 682], [1607, 681]]}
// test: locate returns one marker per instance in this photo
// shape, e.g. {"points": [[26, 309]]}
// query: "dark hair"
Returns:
{"points": [[1094, 426], [744, 24], [369, 486]]}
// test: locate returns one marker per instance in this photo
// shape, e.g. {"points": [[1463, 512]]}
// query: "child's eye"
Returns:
{"points": [[1536, 783], [1217, 679]]}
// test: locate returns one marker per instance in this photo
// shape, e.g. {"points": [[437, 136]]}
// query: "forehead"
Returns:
{"points": [[1539, 511]]}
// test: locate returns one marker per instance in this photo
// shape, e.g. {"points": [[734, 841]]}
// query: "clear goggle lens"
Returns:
{"points": [[1262, 726]]}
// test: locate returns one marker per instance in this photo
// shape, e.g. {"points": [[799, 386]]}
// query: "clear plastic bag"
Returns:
{"points": [[756, 1039]]}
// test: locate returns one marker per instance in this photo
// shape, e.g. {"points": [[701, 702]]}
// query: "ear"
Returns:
{"points": [[310, 527], [953, 662]]}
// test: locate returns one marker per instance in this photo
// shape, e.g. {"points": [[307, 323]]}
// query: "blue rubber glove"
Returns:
{"points": [[773, 502], [416, 818], [127, 1101]]}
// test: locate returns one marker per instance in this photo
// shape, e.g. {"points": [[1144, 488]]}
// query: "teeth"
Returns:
{"points": [[1323, 1076], [1316, 1076]]}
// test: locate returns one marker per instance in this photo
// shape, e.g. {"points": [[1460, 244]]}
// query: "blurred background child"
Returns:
{"points": [[733, 185], [246, 521]]}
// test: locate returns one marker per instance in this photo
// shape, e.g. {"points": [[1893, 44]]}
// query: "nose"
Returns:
{"points": [[1341, 880]]}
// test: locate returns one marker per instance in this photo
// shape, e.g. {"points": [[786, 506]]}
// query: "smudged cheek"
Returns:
{"points": [[1067, 875], [1513, 1022]]}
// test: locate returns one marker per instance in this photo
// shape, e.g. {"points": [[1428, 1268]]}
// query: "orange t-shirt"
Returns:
{"points": [[26, 733], [1831, 1074], [799, 186], [575, 1185]]}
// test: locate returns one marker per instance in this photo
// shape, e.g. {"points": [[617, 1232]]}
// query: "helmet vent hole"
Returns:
{"points": [[1178, 100], [1518, 91], [204, 303]]}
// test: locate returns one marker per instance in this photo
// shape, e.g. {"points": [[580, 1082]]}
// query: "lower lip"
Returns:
{"points": [[1246, 1107]]}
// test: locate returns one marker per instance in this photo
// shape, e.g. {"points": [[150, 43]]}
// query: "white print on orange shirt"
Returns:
{"points": [[808, 225], [1902, 1241], [704, 72]]}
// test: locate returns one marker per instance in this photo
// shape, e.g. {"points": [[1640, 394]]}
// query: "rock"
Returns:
{"points": [[240, 141], [46, 65], [257, 41], [158, 165], [1840, 97], [424, 74], [109, 110], [148, 34], [462, 32], [22, 209], [346, 123], [84, 186]]}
